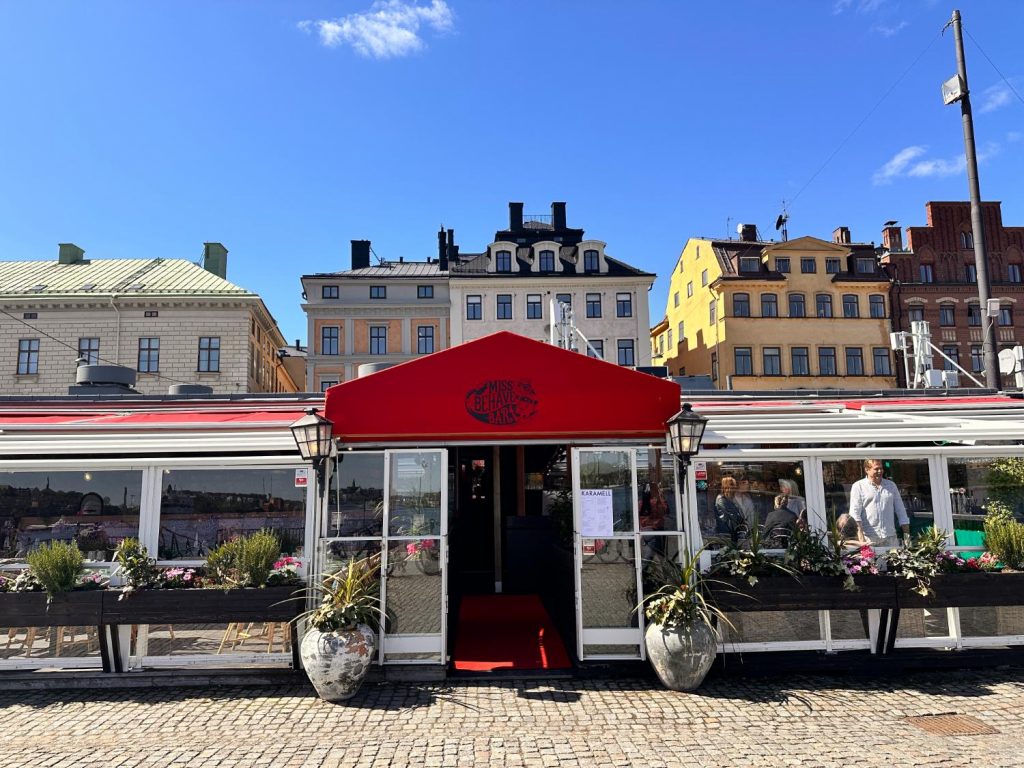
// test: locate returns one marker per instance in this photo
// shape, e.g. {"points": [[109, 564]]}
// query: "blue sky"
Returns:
{"points": [[286, 129]]}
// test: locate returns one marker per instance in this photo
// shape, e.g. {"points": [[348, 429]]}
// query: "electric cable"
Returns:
{"points": [[989, 60]]}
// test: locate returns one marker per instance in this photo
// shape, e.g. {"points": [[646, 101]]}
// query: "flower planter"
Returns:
{"points": [[69, 609], [203, 606], [806, 593], [964, 590]]}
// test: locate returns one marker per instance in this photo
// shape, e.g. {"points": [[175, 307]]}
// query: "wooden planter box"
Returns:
{"points": [[203, 606], [806, 593], [70, 609], [965, 590]]}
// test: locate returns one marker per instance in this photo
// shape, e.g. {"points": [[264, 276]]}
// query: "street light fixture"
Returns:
{"points": [[685, 431], [313, 435]]}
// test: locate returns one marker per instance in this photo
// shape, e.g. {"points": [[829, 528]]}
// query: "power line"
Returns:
{"points": [[77, 351], [1005, 79]]}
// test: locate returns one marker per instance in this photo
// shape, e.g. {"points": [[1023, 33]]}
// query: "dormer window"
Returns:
{"points": [[967, 240], [750, 264], [503, 261], [547, 261], [591, 262], [865, 266]]}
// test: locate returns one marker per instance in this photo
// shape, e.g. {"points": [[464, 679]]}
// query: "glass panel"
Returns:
{"points": [[771, 627], [95, 508], [415, 494], [656, 482], [50, 643], [991, 622], [979, 484], [201, 508], [237, 637], [356, 505], [414, 587], [609, 586], [610, 470], [849, 625], [738, 495], [923, 622], [658, 555], [905, 481], [335, 554]]}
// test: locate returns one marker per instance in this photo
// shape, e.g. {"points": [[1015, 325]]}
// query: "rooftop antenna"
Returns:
{"points": [[380, 261], [728, 224], [780, 223]]}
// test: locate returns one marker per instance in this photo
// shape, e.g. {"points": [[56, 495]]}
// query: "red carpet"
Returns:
{"points": [[507, 632]]}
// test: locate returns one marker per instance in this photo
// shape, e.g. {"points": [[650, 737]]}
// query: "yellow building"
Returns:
{"points": [[799, 314]]}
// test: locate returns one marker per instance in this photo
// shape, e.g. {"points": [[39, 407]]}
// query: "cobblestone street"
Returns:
{"points": [[799, 721]]}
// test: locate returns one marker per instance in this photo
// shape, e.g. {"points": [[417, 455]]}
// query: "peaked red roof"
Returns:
{"points": [[499, 388]]}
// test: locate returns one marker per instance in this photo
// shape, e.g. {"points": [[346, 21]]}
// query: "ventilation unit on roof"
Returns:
{"points": [[38, 288], [88, 286], [136, 286], [103, 380]]}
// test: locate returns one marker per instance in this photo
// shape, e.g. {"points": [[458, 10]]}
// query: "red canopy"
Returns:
{"points": [[503, 387]]}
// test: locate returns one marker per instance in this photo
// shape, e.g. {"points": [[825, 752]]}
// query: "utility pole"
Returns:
{"points": [[956, 89]]}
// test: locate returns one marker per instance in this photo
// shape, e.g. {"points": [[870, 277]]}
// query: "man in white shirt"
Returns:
{"points": [[876, 506]]}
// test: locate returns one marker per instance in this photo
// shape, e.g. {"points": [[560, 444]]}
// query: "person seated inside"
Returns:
{"points": [[847, 528], [779, 524], [730, 520]]}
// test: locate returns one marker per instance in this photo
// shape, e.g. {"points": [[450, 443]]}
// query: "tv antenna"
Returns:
{"points": [[780, 223], [380, 262]]}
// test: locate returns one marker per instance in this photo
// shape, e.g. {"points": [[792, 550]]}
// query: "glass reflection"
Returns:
{"points": [[737, 496], [609, 587], [655, 475], [356, 504], [415, 494], [413, 591], [610, 471], [912, 485]]}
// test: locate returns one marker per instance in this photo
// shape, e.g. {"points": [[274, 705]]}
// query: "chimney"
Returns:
{"points": [[748, 233], [442, 249], [215, 259], [515, 216], [451, 252], [360, 254], [558, 215], [841, 235], [892, 237], [70, 253]]}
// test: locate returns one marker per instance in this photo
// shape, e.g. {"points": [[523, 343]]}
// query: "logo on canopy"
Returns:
{"points": [[502, 402]]}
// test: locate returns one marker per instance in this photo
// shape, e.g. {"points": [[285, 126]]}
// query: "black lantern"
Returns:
{"points": [[312, 435], [685, 431]]}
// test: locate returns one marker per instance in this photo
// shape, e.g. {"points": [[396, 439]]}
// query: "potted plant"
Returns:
{"points": [[56, 590], [340, 641], [680, 637]]}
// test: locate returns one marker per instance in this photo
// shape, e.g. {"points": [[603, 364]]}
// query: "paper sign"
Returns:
{"points": [[301, 478], [589, 547], [596, 512], [700, 470]]}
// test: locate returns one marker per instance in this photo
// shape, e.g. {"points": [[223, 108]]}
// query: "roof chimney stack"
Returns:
{"points": [[215, 259], [558, 215], [892, 237], [442, 250], [360, 254], [515, 216], [841, 235], [747, 232], [69, 253]]}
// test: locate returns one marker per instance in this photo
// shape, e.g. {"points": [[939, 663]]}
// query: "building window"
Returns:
{"points": [[563, 298], [807, 265], [915, 312], [714, 366], [670, 339], [89, 350], [800, 359], [151, 313], [1006, 316], [782, 264], [689, 289], [623, 305], [1013, 273], [712, 311], [326, 384], [378, 291], [504, 306], [329, 340], [534, 309], [851, 306], [591, 263], [547, 261], [474, 308], [826, 361], [771, 360], [741, 305], [865, 266], [675, 299], [378, 339], [329, 292], [974, 315], [952, 351], [967, 240], [823, 305], [681, 334], [833, 266], [661, 346], [209, 354], [593, 305], [625, 347], [744, 361], [876, 305], [596, 349], [149, 355], [424, 291], [28, 356], [926, 273], [424, 339], [704, 277], [769, 305], [854, 361], [977, 361], [971, 273], [947, 314], [503, 262], [750, 264], [882, 361], [797, 305]]}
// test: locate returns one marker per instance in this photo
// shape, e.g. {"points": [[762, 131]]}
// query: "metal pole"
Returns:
{"points": [[977, 227]]}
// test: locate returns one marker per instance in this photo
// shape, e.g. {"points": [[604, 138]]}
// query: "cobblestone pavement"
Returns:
{"points": [[807, 721]]}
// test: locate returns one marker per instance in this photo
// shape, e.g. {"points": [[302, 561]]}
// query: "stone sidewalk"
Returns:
{"points": [[811, 721]]}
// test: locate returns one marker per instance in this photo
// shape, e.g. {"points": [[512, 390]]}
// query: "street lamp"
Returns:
{"points": [[313, 435], [685, 431]]}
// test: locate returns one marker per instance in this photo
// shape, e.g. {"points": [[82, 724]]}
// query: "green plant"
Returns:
{"points": [[1005, 479], [57, 566], [245, 561], [749, 559], [682, 600], [348, 597], [1004, 538], [919, 560], [138, 570]]}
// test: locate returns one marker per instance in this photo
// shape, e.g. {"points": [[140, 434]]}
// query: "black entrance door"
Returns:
{"points": [[471, 531]]}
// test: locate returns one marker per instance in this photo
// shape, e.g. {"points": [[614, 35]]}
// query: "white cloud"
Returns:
{"points": [[1014, 136], [905, 163], [897, 164], [862, 6], [889, 31], [994, 97], [390, 28]]}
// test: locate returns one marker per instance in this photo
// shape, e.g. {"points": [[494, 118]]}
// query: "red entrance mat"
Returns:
{"points": [[507, 632]]}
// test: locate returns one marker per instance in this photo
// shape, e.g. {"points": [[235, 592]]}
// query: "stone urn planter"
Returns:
{"points": [[681, 655], [337, 662]]}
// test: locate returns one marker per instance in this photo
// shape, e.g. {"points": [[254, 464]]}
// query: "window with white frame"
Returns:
{"points": [[503, 261], [474, 307], [593, 305], [623, 305], [591, 262], [625, 352], [547, 261], [503, 302], [534, 307]]}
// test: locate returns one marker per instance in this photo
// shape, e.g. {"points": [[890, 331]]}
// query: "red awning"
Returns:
{"points": [[503, 387]]}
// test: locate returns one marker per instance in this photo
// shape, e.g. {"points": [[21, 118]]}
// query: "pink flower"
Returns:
{"points": [[855, 569], [427, 544], [410, 548], [187, 577]]}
